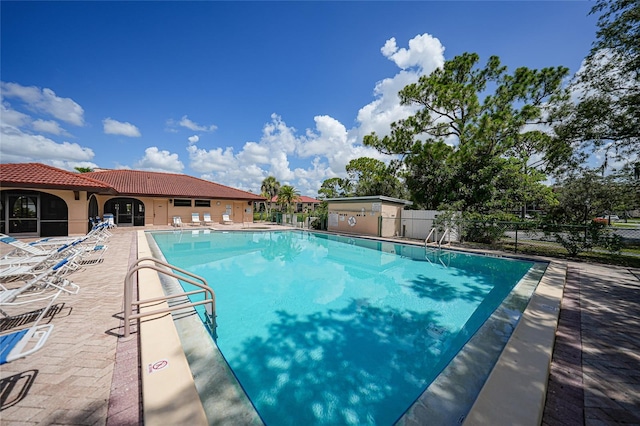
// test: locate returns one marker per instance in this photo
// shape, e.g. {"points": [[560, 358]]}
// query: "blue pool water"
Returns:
{"points": [[323, 329]]}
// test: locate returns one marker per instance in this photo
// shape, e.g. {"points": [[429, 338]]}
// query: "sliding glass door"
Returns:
{"points": [[31, 213], [23, 214]]}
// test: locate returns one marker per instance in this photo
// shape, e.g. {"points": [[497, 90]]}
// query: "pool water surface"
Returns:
{"points": [[325, 329]]}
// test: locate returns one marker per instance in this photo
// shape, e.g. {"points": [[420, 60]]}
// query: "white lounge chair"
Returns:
{"points": [[20, 248], [226, 220], [99, 232], [22, 343], [50, 255], [26, 264], [30, 293], [110, 220], [177, 222], [195, 219], [52, 264], [22, 260], [92, 255], [45, 285], [206, 218]]}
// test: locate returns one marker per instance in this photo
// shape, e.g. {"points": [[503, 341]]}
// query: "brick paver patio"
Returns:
{"points": [[595, 373], [71, 377]]}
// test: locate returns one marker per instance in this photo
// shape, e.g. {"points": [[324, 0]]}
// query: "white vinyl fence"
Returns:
{"points": [[416, 224]]}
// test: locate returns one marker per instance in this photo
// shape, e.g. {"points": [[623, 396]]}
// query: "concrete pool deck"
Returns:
{"points": [[86, 374]]}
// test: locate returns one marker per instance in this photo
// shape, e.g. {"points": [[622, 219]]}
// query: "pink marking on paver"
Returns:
{"points": [[158, 365]]}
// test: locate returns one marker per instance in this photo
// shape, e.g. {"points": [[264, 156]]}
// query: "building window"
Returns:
{"points": [[181, 202], [202, 203]]}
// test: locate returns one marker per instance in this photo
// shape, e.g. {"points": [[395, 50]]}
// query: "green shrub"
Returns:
{"points": [[611, 242], [576, 238], [481, 228]]}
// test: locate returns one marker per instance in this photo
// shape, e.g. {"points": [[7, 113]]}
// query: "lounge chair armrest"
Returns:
{"points": [[14, 344]]}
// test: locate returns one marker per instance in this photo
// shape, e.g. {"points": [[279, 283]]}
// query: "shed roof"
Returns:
{"points": [[371, 199], [37, 175]]}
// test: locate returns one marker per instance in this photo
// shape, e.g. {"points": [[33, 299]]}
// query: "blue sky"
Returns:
{"points": [[236, 91]]}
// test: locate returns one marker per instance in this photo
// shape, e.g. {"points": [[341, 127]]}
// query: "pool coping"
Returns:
{"points": [[525, 361], [169, 395], [530, 346]]}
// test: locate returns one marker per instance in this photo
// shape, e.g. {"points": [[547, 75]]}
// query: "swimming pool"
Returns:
{"points": [[326, 329]]}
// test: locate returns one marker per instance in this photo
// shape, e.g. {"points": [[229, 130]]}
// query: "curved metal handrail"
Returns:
{"points": [[426, 240], [438, 243], [194, 280], [447, 231]]}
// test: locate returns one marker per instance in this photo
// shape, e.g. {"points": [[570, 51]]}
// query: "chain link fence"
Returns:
{"points": [[530, 236]]}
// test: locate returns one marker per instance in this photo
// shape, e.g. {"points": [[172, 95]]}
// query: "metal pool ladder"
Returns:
{"points": [[166, 269], [447, 231]]}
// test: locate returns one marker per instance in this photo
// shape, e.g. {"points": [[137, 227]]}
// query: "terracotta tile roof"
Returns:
{"points": [[300, 199], [136, 182], [305, 199], [36, 175]]}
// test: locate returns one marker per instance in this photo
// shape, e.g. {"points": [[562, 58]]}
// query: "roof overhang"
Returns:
{"points": [[33, 185], [372, 199]]}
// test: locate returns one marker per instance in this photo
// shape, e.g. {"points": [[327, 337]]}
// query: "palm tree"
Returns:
{"points": [[269, 189], [287, 195]]}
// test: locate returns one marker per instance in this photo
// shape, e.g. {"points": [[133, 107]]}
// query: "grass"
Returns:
{"points": [[548, 249], [631, 225]]}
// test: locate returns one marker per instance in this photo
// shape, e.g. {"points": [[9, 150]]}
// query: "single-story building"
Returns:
{"points": [[302, 204], [375, 215], [40, 200]]}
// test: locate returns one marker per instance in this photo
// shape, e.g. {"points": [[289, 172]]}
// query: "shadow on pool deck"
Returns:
{"points": [[74, 379]]}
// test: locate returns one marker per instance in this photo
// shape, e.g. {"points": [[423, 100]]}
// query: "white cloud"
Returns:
{"points": [[331, 140], [185, 122], [332, 136], [19, 147], [17, 119], [242, 179], [114, 127], [12, 117], [425, 52], [378, 115], [193, 139], [327, 145], [189, 124], [277, 134], [48, 126], [215, 160], [254, 153], [424, 55], [45, 101], [159, 161]]}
